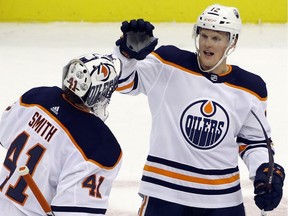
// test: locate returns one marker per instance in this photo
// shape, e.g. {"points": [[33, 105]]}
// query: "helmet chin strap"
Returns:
{"points": [[227, 52]]}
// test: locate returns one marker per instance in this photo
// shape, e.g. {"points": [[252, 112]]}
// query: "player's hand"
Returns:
{"points": [[137, 40], [268, 199]]}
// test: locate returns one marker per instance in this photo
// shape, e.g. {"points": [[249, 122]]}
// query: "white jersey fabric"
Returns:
{"points": [[201, 122], [72, 156]]}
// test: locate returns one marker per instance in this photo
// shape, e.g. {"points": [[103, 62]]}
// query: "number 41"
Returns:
{"points": [[91, 183]]}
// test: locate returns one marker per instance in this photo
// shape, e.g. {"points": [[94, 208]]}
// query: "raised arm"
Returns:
{"points": [[137, 40]]}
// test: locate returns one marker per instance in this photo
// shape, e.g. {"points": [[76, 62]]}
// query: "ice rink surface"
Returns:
{"points": [[33, 54]]}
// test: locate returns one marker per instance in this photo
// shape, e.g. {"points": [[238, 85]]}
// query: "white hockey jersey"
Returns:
{"points": [[200, 123], [71, 154]]}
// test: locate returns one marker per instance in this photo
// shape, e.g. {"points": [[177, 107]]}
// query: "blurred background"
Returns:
{"points": [[256, 11]]}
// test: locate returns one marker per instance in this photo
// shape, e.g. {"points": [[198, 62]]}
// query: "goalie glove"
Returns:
{"points": [[268, 199], [137, 40]]}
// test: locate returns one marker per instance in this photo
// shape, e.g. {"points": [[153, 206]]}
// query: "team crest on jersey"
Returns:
{"points": [[204, 124]]}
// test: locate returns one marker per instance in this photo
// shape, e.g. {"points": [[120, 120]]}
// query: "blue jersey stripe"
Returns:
{"points": [[78, 209], [190, 189], [190, 168]]}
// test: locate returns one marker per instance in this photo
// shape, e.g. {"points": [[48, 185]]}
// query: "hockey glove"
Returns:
{"points": [[137, 40], [268, 199]]}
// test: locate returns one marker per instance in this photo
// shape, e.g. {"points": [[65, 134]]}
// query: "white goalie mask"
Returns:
{"points": [[219, 18], [93, 78]]}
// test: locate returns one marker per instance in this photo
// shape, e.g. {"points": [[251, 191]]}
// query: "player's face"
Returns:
{"points": [[212, 45]]}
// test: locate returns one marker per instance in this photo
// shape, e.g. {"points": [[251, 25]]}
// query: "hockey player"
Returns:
{"points": [[202, 119], [60, 135]]}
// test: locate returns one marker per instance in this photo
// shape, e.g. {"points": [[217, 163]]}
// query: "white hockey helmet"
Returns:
{"points": [[220, 18], [92, 78]]}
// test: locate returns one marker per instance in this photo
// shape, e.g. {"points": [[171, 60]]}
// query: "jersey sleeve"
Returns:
{"points": [[138, 76], [83, 188], [252, 143], [8, 119]]}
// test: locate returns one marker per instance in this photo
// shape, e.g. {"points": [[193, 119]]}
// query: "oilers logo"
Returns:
{"points": [[103, 72], [204, 124]]}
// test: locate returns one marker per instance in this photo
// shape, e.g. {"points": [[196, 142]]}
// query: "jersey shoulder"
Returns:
{"points": [[249, 81], [89, 133], [178, 57], [238, 77]]}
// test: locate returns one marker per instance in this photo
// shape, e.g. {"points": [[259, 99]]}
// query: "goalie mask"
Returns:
{"points": [[219, 18], [93, 78]]}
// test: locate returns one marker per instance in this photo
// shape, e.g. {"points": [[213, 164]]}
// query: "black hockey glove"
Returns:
{"points": [[268, 199], [137, 40]]}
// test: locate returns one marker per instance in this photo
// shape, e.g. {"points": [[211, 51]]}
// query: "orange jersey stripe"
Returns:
{"points": [[125, 87], [191, 178], [247, 90], [175, 65]]}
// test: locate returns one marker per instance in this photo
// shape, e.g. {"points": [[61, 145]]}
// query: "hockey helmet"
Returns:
{"points": [[92, 78], [220, 18]]}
